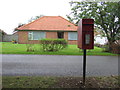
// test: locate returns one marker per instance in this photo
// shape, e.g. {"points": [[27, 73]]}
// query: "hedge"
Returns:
{"points": [[53, 44]]}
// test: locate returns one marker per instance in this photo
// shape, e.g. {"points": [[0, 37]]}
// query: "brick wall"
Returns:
{"points": [[51, 35], [66, 36], [23, 37], [73, 42]]}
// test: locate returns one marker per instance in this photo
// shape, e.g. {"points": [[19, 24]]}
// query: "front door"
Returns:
{"points": [[60, 34]]}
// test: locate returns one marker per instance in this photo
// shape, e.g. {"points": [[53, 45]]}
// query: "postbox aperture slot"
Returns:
{"points": [[87, 39]]}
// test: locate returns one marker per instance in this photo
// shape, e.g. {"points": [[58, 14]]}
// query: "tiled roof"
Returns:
{"points": [[53, 23]]}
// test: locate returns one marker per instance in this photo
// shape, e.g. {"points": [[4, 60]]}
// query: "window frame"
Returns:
{"points": [[32, 35], [70, 34]]}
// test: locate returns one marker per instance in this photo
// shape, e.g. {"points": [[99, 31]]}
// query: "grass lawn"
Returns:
{"points": [[9, 48], [58, 82]]}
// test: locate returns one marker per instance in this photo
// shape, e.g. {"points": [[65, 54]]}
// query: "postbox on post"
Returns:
{"points": [[85, 39], [86, 34]]}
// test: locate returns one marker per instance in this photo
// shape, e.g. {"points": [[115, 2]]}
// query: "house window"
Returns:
{"points": [[72, 35], [30, 35], [60, 34], [36, 35]]}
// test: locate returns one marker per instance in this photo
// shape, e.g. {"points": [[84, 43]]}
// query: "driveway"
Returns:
{"points": [[54, 65]]}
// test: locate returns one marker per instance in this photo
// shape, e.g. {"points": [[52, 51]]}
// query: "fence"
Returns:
{"points": [[9, 38], [116, 47]]}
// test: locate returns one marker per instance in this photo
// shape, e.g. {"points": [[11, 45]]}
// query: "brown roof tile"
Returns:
{"points": [[50, 23]]}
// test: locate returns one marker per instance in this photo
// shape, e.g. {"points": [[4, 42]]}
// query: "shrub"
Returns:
{"points": [[30, 47], [105, 48], [53, 44]]}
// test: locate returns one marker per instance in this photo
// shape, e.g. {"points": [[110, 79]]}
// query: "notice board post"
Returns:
{"points": [[85, 39]]}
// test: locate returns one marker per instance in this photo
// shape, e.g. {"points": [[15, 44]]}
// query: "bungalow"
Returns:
{"points": [[47, 27]]}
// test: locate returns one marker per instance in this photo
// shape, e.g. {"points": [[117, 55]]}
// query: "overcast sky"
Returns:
{"points": [[13, 12]]}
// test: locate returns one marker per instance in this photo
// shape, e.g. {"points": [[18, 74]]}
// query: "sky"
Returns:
{"points": [[14, 12]]}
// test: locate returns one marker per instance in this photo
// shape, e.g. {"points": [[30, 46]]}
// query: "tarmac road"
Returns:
{"points": [[58, 65]]}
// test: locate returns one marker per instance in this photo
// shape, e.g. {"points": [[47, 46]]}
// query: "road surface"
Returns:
{"points": [[55, 65]]}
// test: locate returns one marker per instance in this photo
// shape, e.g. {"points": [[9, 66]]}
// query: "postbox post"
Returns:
{"points": [[84, 65], [85, 39]]}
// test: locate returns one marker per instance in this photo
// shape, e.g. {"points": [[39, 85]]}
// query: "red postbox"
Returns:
{"points": [[86, 34]]}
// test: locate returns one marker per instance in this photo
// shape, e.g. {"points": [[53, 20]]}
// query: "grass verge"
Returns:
{"points": [[9, 48], [27, 82], [58, 82]]}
